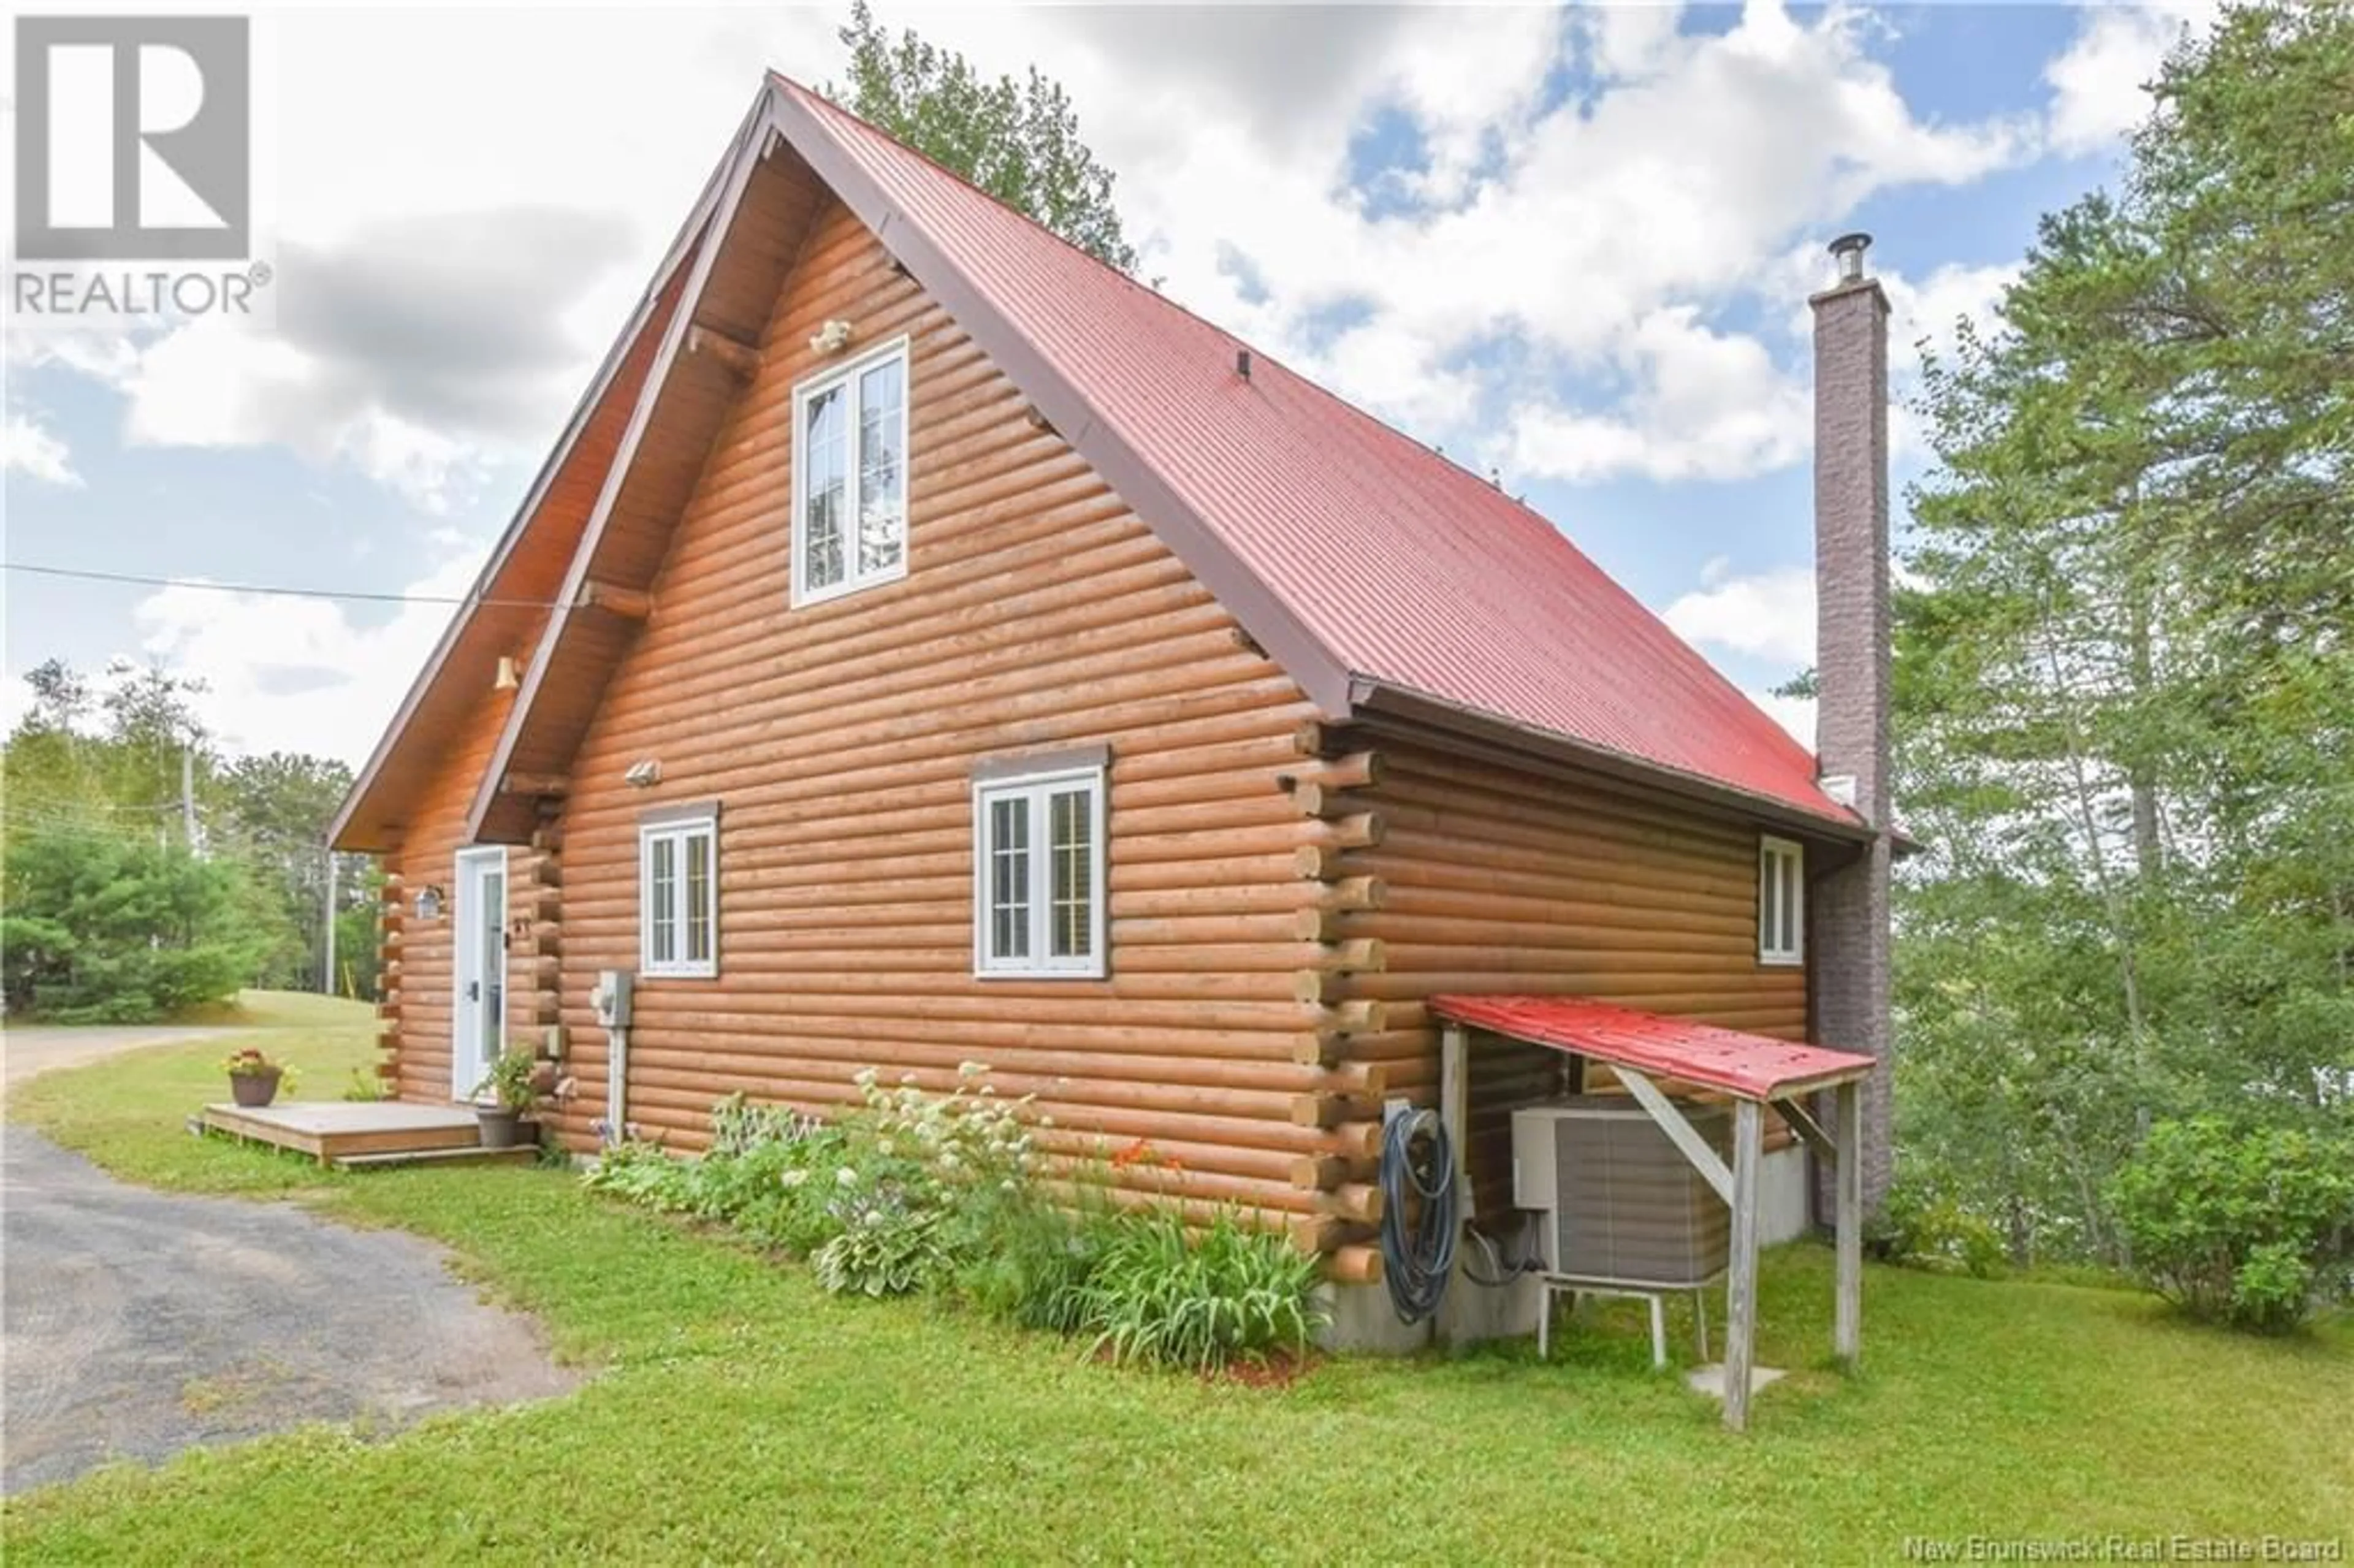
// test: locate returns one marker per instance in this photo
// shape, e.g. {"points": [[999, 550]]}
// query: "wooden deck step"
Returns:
{"points": [[520, 1154], [330, 1130]]}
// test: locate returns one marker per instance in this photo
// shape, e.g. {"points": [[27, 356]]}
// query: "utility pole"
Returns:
{"points": [[327, 970], [188, 794]]}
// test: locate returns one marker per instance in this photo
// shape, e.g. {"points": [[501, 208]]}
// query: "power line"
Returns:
{"points": [[273, 589]]}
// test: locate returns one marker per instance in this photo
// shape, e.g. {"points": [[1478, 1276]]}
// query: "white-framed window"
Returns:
{"points": [[1781, 901], [1038, 872], [678, 893], [850, 476]]}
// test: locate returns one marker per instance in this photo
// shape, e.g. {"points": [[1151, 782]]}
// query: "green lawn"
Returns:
{"points": [[741, 1416]]}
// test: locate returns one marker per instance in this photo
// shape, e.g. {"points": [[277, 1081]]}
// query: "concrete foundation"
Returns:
{"points": [[1363, 1322], [1473, 1312]]}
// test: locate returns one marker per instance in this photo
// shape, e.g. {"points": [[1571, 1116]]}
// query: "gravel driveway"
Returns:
{"points": [[134, 1324], [40, 1049]]}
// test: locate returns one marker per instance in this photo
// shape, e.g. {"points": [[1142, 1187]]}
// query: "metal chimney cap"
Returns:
{"points": [[1849, 249]]}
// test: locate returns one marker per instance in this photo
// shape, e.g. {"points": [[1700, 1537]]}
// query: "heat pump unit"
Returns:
{"points": [[1617, 1203]]}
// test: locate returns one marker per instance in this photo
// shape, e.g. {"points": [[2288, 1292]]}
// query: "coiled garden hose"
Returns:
{"points": [[1418, 1237]]}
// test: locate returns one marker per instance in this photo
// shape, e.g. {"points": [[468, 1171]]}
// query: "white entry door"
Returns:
{"points": [[478, 1010]]}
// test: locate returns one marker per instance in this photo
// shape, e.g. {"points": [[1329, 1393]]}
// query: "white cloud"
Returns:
{"points": [[299, 674], [29, 447], [1768, 614], [215, 385], [2099, 84], [1592, 233], [1657, 195], [1703, 406]]}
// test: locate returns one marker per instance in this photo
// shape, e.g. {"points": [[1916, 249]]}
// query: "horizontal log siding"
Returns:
{"points": [[1038, 612], [426, 855], [1502, 882]]}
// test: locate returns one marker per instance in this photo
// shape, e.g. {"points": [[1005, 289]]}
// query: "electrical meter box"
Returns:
{"points": [[610, 998]]}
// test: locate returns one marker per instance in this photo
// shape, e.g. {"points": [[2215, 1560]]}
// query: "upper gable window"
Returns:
{"points": [[850, 476], [1781, 901]]}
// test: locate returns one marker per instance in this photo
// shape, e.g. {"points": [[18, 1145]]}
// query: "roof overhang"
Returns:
{"points": [[1472, 732]]}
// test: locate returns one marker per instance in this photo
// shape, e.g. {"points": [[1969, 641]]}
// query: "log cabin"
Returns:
{"points": [[927, 643]]}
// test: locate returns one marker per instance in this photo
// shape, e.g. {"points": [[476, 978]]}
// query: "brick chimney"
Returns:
{"points": [[1849, 923]]}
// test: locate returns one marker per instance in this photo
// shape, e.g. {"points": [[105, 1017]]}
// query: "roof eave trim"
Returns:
{"points": [[724, 193], [428, 677], [1420, 710], [1320, 674]]}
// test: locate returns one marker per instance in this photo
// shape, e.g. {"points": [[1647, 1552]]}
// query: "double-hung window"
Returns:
{"points": [[850, 476], [678, 893], [1038, 871], [1781, 901]]}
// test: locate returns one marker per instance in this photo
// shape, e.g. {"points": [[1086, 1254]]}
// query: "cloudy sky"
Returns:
{"points": [[1570, 246]]}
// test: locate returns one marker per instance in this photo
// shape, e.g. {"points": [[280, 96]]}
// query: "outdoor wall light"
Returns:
{"points": [[428, 903]]}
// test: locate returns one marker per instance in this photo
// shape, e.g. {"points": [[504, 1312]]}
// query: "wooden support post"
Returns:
{"points": [[1454, 1105], [1741, 1286], [1847, 1318]]}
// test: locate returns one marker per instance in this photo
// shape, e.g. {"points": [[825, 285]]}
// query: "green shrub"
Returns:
{"points": [[1233, 1292], [779, 1193], [884, 1248], [2246, 1227], [642, 1173], [1922, 1229], [1030, 1262]]}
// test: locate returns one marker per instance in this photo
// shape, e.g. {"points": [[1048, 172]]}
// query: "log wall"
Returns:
{"points": [[1038, 612], [1496, 881]]}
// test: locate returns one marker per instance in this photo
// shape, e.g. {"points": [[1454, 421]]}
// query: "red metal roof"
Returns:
{"points": [[1750, 1066], [1411, 572]]}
